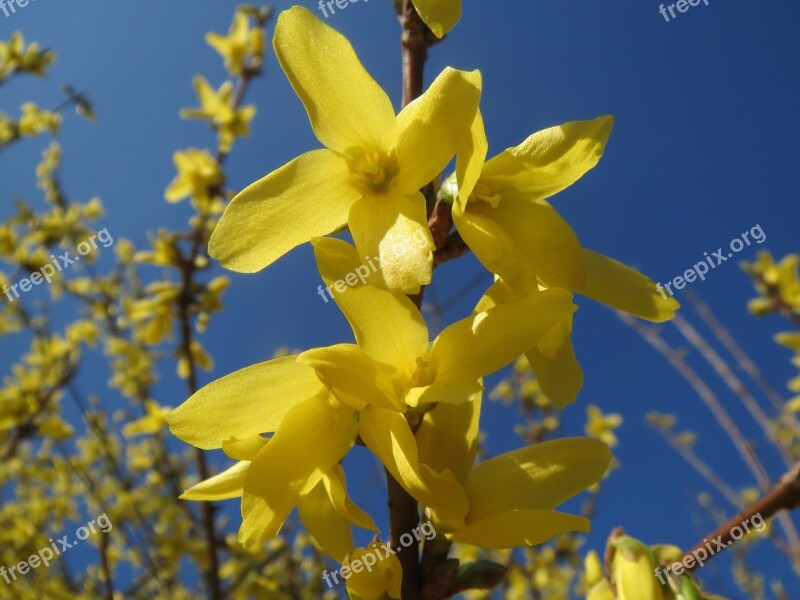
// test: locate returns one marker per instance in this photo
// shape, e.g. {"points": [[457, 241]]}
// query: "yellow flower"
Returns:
{"points": [[319, 402], [313, 432], [53, 427], [154, 421], [391, 332], [218, 108], [602, 426], [198, 175], [370, 173], [595, 583], [634, 566], [325, 509], [241, 43], [512, 497], [8, 129], [559, 377], [14, 56], [440, 15], [774, 279], [372, 582], [501, 212], [34, 120]]}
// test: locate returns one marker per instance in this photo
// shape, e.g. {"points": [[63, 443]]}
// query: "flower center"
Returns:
{"points": [[482, 193], [371, 169], [424, 375]]}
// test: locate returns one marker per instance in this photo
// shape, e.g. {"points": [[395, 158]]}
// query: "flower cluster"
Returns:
{"points": [[414, 402], [778, 286]]}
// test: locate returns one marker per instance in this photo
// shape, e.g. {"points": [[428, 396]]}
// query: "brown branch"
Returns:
{"points": [[403, 518], [709, 398], [415, 40], [453, 248], [185, 305], [783, 497], [208, 509], [106, 568], [403, 509], [441, 223]]}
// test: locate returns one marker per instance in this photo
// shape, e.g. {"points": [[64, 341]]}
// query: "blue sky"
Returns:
{"points": [[703, 149]]}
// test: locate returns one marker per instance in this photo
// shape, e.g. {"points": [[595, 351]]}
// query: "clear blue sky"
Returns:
{"points": [[704, 148]]}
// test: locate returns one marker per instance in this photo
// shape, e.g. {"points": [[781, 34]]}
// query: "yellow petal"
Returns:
{"points": [[245, 449], [387, 326], [440, 15], [617, 285], [323, 522], [544, 239], [226, 485], [308, 197], [513, 528], [553, 359], [557, 370], [368, 582], [179, 188], [600, 591], [451, 392], [634, 576], [471, 157], [541, 476], [488, 341], [561, 377], [245, 403], [336, 487], [345, 105], [448, 437], [432, 126], [389, 437], [593, 569], [312, 438], [494, 247], [394, 228], [352, 376], [552, 159], [205, 93]]}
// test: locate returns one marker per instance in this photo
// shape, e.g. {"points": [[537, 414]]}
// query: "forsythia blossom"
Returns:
{"points": [[320, 401], [241, 43], [370, 173], [218, 108]]}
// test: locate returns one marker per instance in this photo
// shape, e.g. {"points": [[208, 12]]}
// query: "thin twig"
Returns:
{"points": [[727, 423], [699, 465], [742, 358], [709, 398], [733, 382]]}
